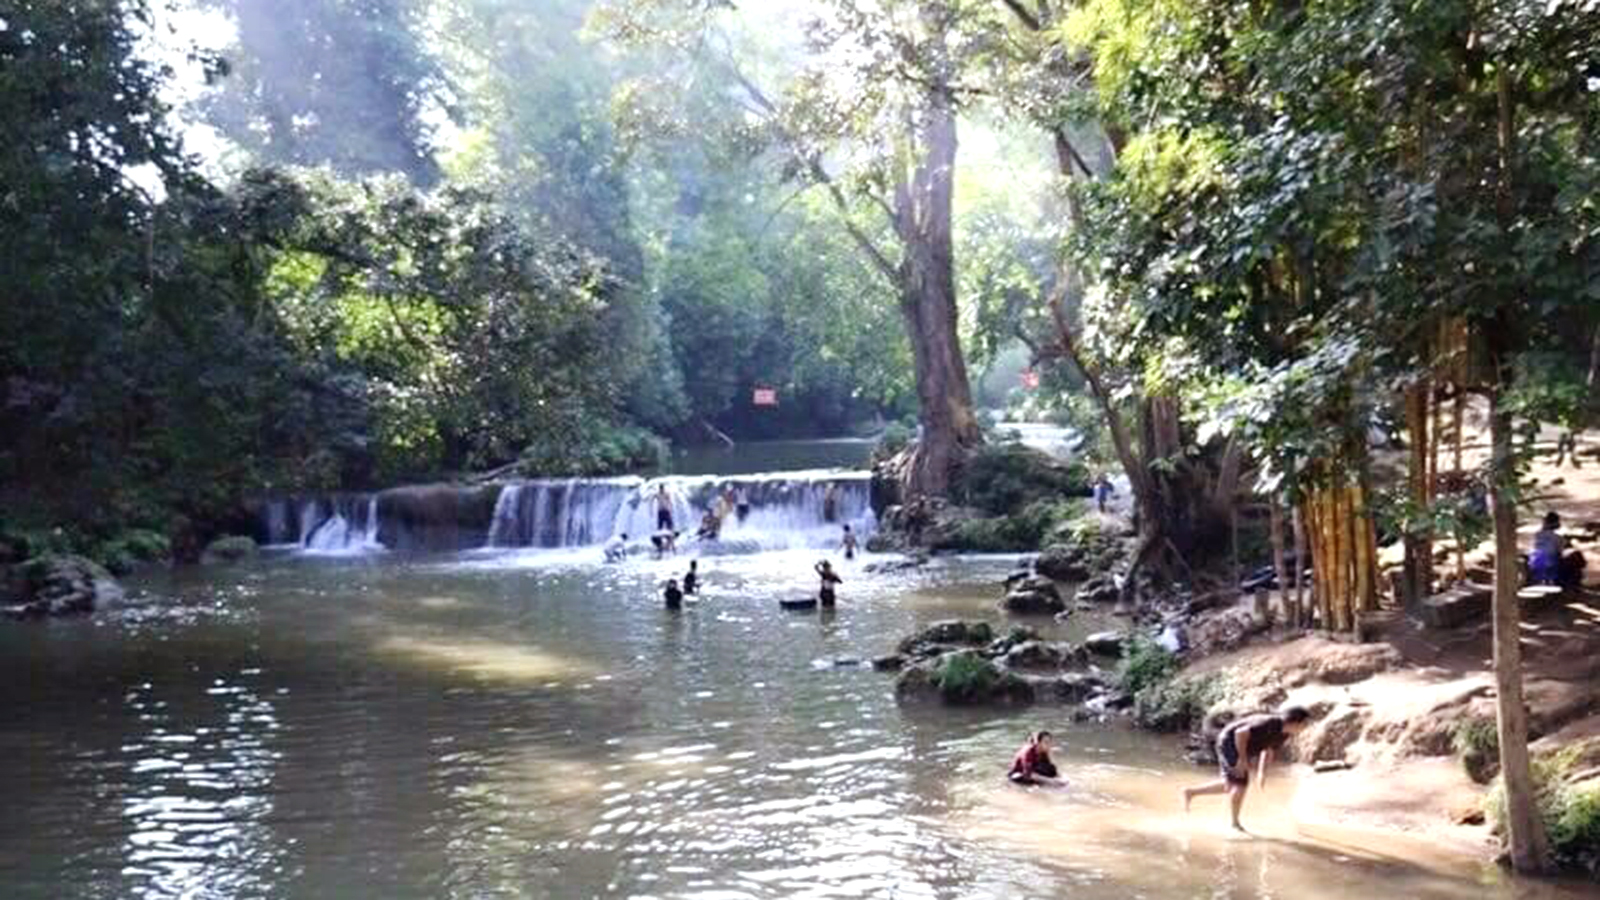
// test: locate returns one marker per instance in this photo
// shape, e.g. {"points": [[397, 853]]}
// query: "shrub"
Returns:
{"points": [[1177, 704], [1002, 478], [1478, 744], [127, 549], [966, 676], [1570, 810], [895, 438], [1145, 664], [1022, 532]]}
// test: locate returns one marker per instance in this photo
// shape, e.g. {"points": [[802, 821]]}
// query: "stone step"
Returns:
{"points": [[1456, 606]]}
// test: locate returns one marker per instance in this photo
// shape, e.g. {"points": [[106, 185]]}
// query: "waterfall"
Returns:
{"points": [[785, 510]]}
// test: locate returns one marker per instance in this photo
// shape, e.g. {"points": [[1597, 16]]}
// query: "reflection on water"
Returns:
{"points": [[538, 726]]}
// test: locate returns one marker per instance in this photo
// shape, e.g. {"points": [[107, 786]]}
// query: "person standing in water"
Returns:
{"points": [[725, 505], [1032, 764], [1248, 745], [830, 504], [691, 580], [741, 504], [663, 509], [848, 545], [671, 595], [829, 578]]}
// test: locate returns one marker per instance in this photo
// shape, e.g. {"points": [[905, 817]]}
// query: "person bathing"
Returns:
{"points": [[672, 595], [1032, 764], [829, 578], [663, 509], [848, 545], [1247, 746], [691, 579], [616, 549]]}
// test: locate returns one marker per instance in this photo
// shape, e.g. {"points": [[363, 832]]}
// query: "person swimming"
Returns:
{"points": [[672, 595], [1032, 764], [848, 545], [824, 570], [691, 579]]}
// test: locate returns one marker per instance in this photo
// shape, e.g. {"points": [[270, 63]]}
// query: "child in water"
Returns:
{"points": [[1032, 764], [829, 579], [691, 580], [849, 543], [672, 596]]}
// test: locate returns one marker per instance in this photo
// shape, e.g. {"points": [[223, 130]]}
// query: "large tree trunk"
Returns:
{"points": [[928, 302], [1524, 827]]}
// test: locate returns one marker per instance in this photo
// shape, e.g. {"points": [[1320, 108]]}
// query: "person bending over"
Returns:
{"points": [[1032, 764], [1247, 745], [616, 549]]}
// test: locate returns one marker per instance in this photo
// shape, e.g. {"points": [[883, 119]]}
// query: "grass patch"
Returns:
{"points": [[966, 676]]}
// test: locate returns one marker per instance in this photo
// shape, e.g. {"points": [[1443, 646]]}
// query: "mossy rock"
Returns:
{"points": [[231, 548], [123, 553], [61, 584], [963, 678], [1001, 478], [946, 633]]}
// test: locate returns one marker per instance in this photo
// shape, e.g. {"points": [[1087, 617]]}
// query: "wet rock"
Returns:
{"points": [[944, 634], [964, 678], [1042, 655], [1078, 687], [1019, 634], [1032, 603], [914, 560], [1106, 643], [1099, 590], [1062, 562], [62, 585], [1017, 577], [892, 662], [230, 548]]}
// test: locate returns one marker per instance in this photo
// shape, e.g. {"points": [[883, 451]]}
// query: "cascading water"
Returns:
{"points": [[787, 510]]}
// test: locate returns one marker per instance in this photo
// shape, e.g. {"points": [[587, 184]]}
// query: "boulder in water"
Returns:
{"points": [[1035, 595], [962, 677], [1043, 655], [1078, 687], [1062, 562], [1106, 643], [62, 585], [945, 634], [230, 548]]}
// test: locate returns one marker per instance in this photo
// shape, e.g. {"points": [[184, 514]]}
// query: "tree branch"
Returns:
{"points": [[1022, 13]]}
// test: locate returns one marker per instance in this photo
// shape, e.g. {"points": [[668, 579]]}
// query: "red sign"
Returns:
{"points": [[765, 397], [1030, 379]]}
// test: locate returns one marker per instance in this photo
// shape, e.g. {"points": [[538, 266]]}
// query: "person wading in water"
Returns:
{"points": [[1252, 740], [663, 509], [1032, 764], [829, 578], [691, 580]]}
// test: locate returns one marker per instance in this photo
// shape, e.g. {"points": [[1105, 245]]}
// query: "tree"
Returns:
{"points": [[869, 117]]}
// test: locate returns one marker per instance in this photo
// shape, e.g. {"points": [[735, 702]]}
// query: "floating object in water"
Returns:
{"points": [[802, 605]]}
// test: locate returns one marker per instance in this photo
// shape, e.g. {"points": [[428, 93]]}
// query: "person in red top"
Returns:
{"points": [[1032, 764]]}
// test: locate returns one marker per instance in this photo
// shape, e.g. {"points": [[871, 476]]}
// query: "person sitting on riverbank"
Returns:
{"points": [[672, 595], [691, 579], [1250, 740], [1551, 563], [665, 541], [1032, 764], [829, 578], [616, 549], [848, 545]]}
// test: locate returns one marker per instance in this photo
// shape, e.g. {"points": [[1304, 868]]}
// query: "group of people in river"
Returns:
{"points": [[1245, 749]]}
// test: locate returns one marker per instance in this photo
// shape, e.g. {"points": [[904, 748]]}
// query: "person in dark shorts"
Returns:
{"points": [[691, 580], [672, 596], [1032, 764], [829, 579], [741, 504], [1247, 745], [663, 509], [665, 542], [848, 545]]}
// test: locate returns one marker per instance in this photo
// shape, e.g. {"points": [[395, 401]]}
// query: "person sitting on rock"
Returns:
{"points": [[616, 549], [691, 579], [829, 578], [672, 596], [1032, 764], [1252, 739], [710, 526], [1551, 563]]}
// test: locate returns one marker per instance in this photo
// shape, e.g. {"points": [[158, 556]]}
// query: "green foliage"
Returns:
{"points": [[599, 449], [1477, 742], [966, 677], [122, 553], [1002, 478], [1569, 803], [1179, 703], [1146, 665], [896, 437]]}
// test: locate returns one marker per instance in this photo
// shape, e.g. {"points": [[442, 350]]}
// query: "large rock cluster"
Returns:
{"points": [[59, 585], [963, 663]]}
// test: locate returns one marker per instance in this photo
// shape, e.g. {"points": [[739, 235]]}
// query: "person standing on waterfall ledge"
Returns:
{"points": [[1250, 739]]}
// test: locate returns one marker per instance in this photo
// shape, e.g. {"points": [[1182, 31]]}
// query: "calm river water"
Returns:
{"points": [[535, 725]]}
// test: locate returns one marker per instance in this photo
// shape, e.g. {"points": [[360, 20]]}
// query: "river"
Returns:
{"points": [[530, 723]]}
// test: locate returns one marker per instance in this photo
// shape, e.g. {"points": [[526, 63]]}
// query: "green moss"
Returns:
{"points": [[1477, 742], [1145, 665], [1022, 532], [1001, 478], [128, 548], [966, 676], [1177, 704]]}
